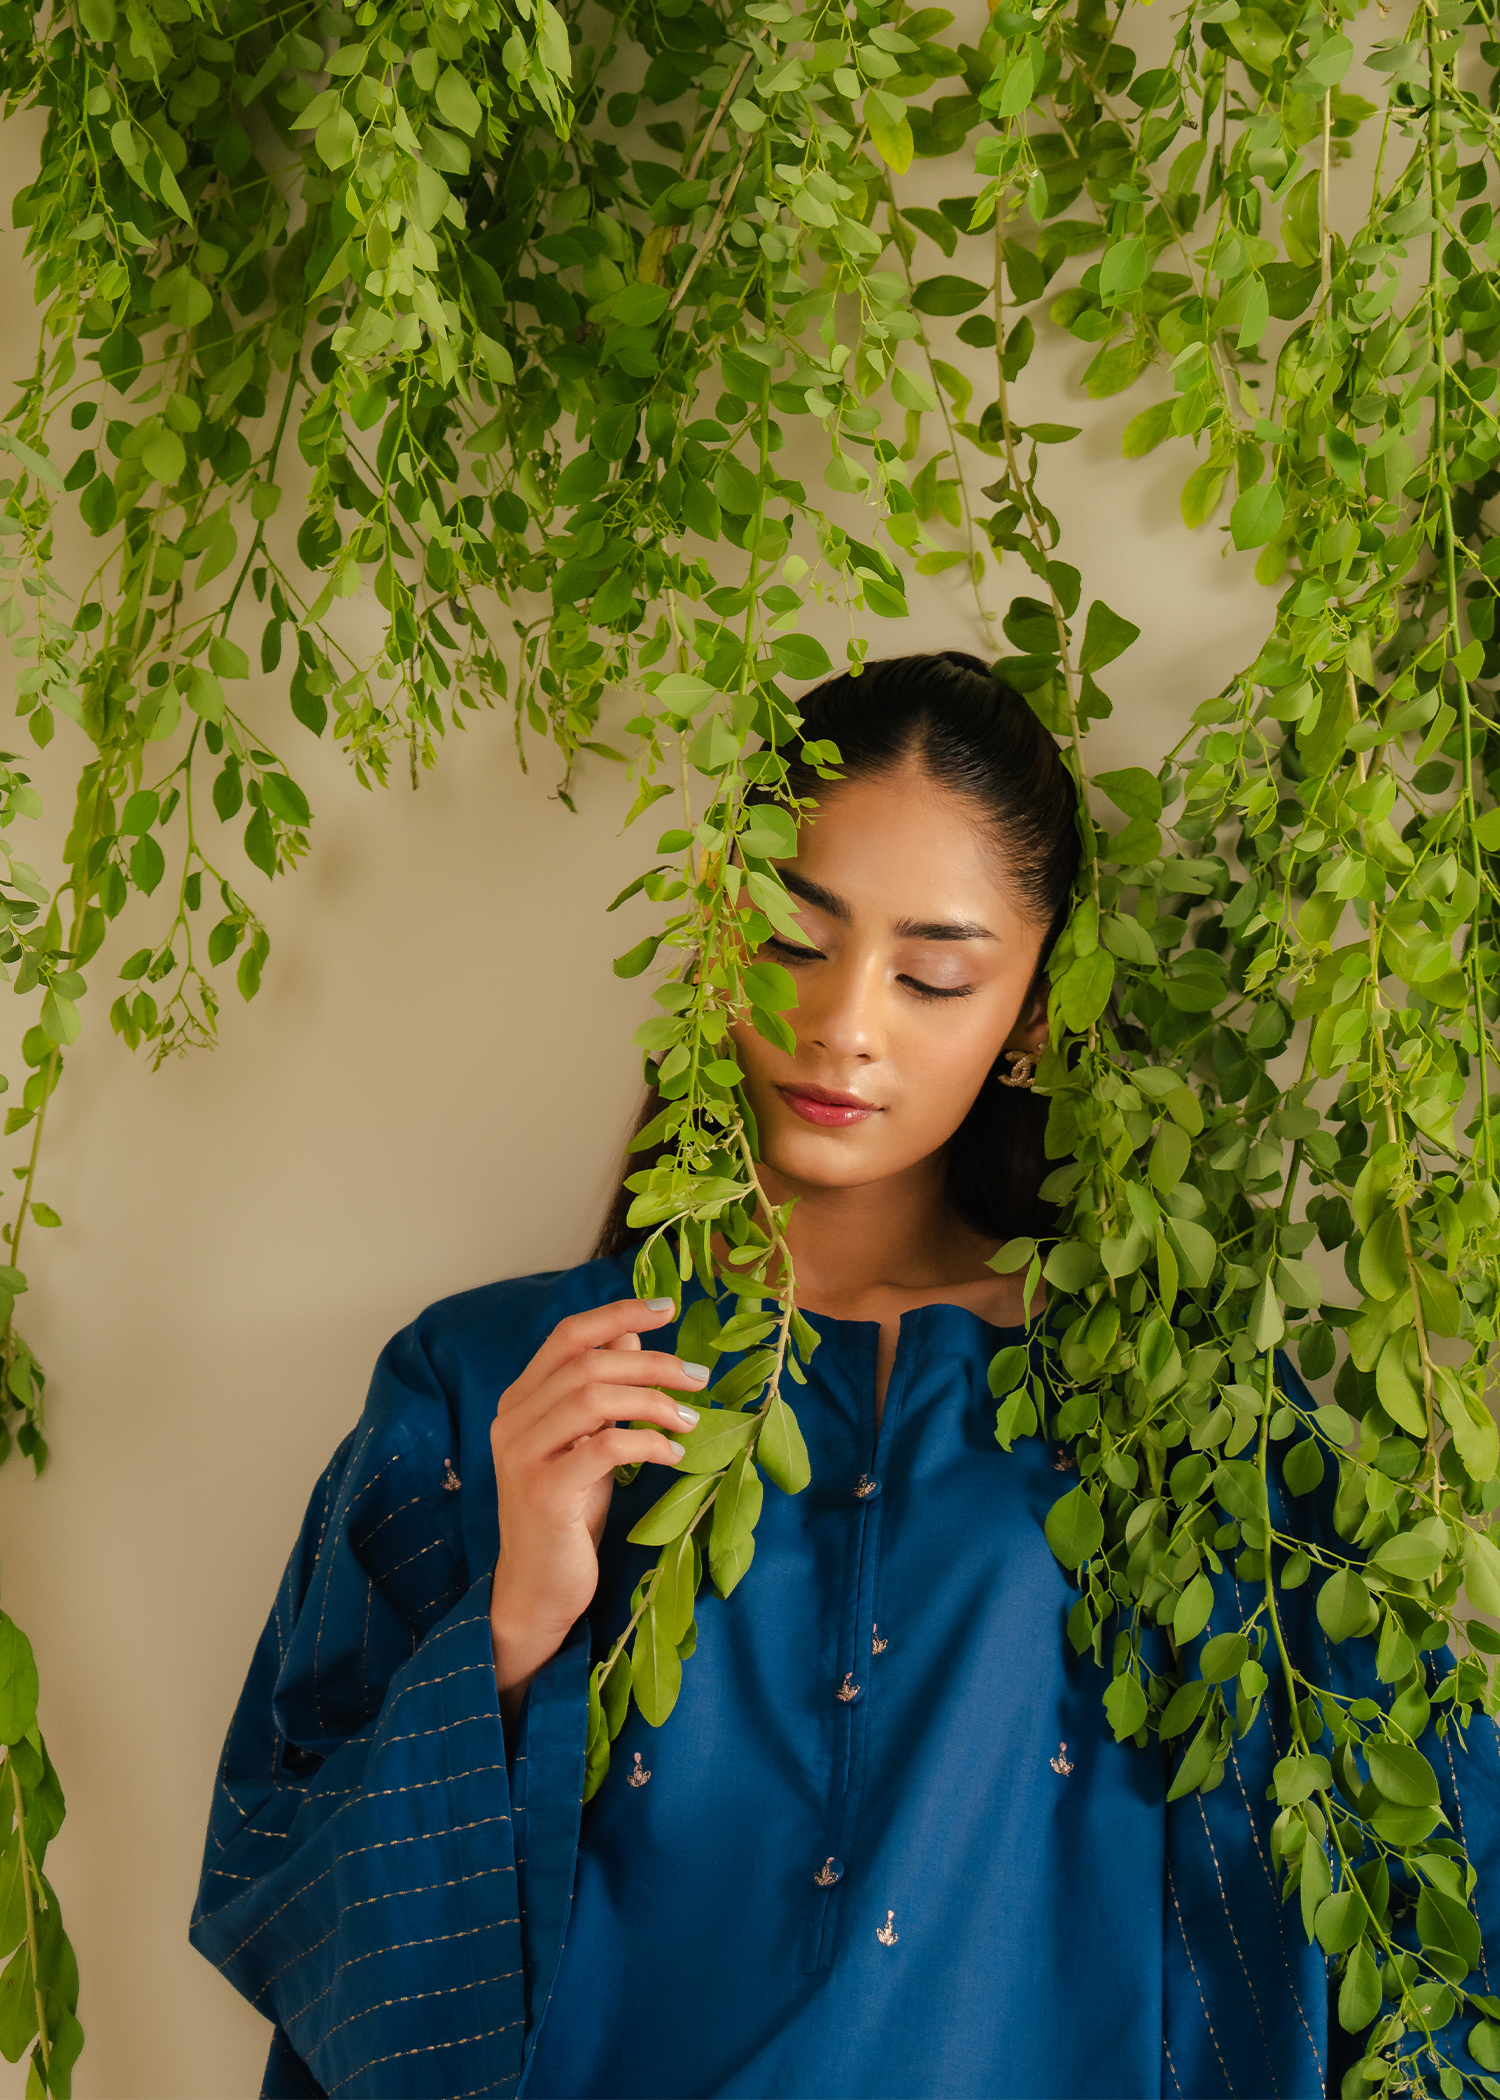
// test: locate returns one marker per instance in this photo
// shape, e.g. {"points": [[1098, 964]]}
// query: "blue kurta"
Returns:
{"points": [[885, 1846]]}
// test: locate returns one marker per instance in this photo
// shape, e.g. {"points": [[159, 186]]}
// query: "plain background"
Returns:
{"points": [[429, 1092]]}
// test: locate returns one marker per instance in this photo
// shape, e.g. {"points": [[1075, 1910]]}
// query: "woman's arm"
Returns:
{"points": [[359, 1882]]}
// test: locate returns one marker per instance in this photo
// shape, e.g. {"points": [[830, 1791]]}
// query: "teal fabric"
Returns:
{"points": [[951, 1882]]}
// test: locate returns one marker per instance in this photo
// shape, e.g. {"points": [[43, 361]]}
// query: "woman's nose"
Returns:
{"points": [[845, 1015]]}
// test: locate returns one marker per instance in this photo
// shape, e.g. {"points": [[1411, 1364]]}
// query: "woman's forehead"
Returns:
{"points": [[902, 847]]}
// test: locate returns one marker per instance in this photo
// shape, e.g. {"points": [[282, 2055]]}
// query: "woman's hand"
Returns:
{"points": [[556, 1442]]}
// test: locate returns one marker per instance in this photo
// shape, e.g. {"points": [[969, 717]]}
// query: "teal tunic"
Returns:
{"points": [[885, 1846]]}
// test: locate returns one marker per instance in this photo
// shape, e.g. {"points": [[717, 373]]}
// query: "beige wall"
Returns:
{"points": [[429, 1092]]}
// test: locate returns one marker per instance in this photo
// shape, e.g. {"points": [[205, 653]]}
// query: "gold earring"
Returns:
{"points": [[1023, 1065]]}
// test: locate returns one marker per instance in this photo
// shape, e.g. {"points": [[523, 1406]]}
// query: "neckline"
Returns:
{"points": [[830, 1323]]}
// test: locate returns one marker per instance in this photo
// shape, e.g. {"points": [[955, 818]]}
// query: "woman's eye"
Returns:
{"points": [[936, 991], [789, 953]]}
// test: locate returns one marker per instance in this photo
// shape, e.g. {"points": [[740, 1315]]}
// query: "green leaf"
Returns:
{"points": [[227, 658], [655, 1669], [670, 1517], [1256, 37], [1302, 1468], [1484, 2043], [640, 305], [1123, 270], [1193, 1610], [1359, 1993], [1223, 1657], [1298, 1777], [721, 1434], [285, 799], [1444, 1922], [1257, 515], [1125, 1706], [457, 103], [1132, 789], [60, 1018], [801, 656], [1345, 1606], [1410, 1556], [1075, 1528], [781, 1450], [1106, 636], [1201, 493], [205, 696], [1264, 1326], [1144, 432], [947, 295], [1317, 1882], [890, 134], [1341, 1920], [596, 1750], [638, 958], [1084, 988], [260, 843], [18, 1682], [737, 1507], [1202, 1755], [147, 864], [1482, 1572]]}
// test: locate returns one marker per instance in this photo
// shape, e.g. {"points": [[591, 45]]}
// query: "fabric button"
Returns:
{"points": [[832, 1870], [866, 1489]]}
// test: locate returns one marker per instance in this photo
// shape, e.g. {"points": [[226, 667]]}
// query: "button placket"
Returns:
{"points": [[857, 1647]]}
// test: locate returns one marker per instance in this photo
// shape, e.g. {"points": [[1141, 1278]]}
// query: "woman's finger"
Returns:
{"points": [[594, 1456], [598, 1328], [587, 1410], [630, 1369]]}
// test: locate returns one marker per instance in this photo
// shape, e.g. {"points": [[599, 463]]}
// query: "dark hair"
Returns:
{"points": [[973, 734]]}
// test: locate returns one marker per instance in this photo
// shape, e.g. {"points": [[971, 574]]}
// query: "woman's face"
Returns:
{"points": [[914, 967]]}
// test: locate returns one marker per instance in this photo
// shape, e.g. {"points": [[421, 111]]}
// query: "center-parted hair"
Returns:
{"points": [[974, 735]]}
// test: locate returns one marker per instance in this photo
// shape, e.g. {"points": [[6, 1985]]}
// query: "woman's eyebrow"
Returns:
{"points": [[941, 930], [814, 893]]}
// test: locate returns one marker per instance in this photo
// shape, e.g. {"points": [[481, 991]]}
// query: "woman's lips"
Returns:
{"points": [[816, 1104]]}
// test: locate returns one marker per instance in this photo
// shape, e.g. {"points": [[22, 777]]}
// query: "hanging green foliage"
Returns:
{"points": [[507, 314]]}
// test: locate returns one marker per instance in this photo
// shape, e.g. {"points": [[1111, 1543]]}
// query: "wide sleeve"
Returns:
{"points": [[359, 1881]]}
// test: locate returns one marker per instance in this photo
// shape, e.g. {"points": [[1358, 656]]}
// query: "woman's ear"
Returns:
{"points": [[1030, 1029]]}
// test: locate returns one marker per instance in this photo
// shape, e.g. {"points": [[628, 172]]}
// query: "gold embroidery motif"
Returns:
{"points": [[1063, 1463], [825, 1876], [451, 1480], [1062, 1764], [887, 1933], [877, 1645], [848, 1690], [640, 1775], [863, 1487]]}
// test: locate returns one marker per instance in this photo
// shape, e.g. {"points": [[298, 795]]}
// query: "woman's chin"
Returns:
{"points": [[822, 1159]]}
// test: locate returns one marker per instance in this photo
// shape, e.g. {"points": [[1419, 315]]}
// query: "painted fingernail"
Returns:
{"points": [[659, 1304], [689, 1415], [675, 1449], [698, 1371]]}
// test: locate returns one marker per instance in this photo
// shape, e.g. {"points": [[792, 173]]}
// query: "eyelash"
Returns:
{"points": [[925, 992]]}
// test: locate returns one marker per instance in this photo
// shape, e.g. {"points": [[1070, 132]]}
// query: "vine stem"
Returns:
{"points": [[44, 2039], [721, 212], [986, 616], [1439, 456], [1291, 1676], [1034, 531]]}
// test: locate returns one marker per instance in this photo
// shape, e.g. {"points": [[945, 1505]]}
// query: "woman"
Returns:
{"points": [[886, 1844]]}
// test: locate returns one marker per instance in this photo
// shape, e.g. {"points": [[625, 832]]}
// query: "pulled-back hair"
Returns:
{"points": [[972, 734]]}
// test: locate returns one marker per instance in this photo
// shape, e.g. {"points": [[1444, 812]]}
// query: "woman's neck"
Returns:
{"points": [[899, 1236]]}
